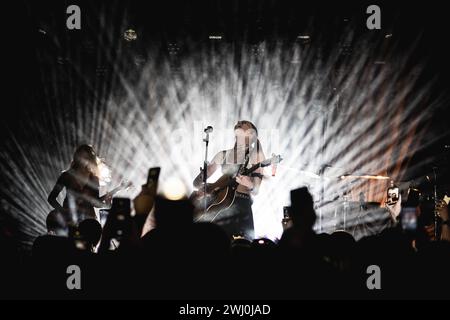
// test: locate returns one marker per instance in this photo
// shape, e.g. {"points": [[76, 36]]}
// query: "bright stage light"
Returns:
{"points": [[372, 122], [105, 174], [174, 189]]}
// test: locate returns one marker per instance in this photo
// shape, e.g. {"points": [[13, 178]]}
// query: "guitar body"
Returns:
{"points": [[220, 196], [63, 219], [84, 208], [224, 199]]}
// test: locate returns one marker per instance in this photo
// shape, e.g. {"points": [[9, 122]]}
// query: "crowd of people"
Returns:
{"points": [[186, 260], [162, 251]]}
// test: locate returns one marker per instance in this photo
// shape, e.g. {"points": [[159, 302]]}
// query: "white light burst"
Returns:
{"points": [[358, 119]]}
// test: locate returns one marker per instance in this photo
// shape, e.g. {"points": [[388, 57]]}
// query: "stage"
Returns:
{"points": [[346, 100]]}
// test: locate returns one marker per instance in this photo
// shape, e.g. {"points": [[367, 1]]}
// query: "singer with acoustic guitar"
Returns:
{"points": [[230, 197]]}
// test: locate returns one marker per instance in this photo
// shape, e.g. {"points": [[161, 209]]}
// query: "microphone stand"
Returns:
{"points": [[322, 194], [435, 205], [205, 169]]}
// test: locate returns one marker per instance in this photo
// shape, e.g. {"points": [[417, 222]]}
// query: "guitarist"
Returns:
{"points": [[81, 181], [237, 220]]}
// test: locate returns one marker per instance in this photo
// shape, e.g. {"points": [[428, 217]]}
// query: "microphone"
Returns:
{"points": [[208, 129]]}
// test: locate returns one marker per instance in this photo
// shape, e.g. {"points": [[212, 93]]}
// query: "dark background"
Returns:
{"points": [[239, 22], [188, 24]]}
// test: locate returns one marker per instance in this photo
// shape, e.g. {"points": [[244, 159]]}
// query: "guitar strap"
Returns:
{"points": [[242, 166], [224, 157], [247, 158]]}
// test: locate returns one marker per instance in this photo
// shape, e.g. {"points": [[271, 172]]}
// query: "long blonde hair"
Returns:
{"points": [[85, 158]]}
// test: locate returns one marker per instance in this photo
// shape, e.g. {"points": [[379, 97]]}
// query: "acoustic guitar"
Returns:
{"points": [[221, 194]]}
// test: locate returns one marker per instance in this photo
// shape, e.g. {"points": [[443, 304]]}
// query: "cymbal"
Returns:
{"points": [[309, 174], [364, 176]]}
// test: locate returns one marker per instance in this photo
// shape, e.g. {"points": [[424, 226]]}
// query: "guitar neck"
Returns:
{"points": [[112, 192], [261, 164], [252, 168]]}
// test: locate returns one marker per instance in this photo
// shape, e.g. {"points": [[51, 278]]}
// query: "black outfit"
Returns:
{"points": [[237, 220], [84, 196]]}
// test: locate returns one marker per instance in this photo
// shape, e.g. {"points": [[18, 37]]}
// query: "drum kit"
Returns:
{"points": [[354, 195]]}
